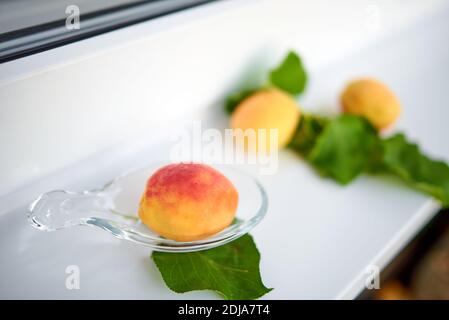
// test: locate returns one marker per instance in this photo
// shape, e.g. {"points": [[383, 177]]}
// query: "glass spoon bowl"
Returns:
{"points": [[114, 208]]}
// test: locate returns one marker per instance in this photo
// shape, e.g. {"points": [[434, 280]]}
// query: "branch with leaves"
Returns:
{"points": [[347, 145]]}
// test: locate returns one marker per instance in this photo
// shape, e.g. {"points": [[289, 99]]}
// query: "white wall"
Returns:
{"points": [[62, 105]]}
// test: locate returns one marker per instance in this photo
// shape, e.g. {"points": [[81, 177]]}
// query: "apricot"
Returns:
{"points": [[373, 100], [268, 109], [188, 201]]}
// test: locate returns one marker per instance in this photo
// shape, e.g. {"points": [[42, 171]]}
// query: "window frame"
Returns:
{"points": [[31, 40]]}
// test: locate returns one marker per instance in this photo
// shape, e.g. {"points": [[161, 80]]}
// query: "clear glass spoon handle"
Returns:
{"points": [[62, 209]]}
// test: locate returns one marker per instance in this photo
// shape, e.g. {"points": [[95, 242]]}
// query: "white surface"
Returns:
{"points": [[317, 238]]}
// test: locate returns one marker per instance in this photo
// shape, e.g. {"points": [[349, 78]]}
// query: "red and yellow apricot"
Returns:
{"points": [[373, 100], [188, 201], [268, 109]]}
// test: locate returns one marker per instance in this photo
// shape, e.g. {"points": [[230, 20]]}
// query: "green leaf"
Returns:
{"points": [[345, 148], [405, 160], [290, 75], [234, 100], [232, 270], [307, 132]]}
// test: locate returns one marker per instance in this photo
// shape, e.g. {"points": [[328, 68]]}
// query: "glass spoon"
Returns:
{"points": [[114, 208]]}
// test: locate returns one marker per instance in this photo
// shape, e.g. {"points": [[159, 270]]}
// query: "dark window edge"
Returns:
{"points": [[60, 36]]}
